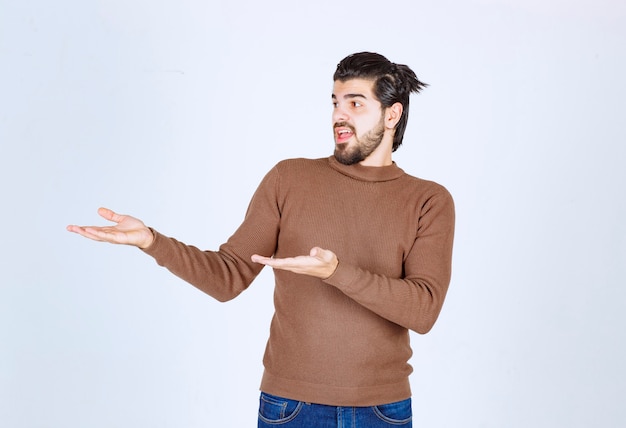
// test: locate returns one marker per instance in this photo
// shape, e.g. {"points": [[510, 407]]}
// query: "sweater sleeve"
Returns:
{"points": [[415, 300], [225, 273]]}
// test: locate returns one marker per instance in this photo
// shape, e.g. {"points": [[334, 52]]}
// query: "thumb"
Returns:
{"points": [[109, 214], [319, 253]]}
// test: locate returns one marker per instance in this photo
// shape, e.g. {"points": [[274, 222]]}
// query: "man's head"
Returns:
{"points": [[392, 83]]}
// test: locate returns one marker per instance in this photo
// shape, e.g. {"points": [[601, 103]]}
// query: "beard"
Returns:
{"points": [[365, 145]]}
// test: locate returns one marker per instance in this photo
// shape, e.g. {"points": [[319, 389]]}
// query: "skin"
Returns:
{"points": [[127, 230], [355, 108], [359, 124]]}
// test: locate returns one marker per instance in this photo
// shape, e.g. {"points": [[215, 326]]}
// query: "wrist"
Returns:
{"points": [[149, 237], [332, 269]]}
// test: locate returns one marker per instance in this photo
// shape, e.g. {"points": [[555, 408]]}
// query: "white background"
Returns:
{"points": [[174, 110]]}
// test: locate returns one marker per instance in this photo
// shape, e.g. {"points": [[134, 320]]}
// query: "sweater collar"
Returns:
{"points": [[367, 173]]}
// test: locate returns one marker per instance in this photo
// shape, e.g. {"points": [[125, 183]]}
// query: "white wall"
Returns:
{"points": [[173, 111]]}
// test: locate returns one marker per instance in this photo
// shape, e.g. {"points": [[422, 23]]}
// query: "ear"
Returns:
{"points": [[393, 115]]}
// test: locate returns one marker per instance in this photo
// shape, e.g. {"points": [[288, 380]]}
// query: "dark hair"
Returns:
{"points": [[393, 83]]}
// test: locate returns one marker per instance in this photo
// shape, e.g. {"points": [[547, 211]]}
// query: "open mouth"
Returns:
{"points": [[343, 133]]}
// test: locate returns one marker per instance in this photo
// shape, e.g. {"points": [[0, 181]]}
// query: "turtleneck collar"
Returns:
{"points": [[367, 173]]}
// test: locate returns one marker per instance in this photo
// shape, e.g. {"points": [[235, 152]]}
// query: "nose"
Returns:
{"points": [[339, 114]]}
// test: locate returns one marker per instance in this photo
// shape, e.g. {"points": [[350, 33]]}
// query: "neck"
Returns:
{"points": [[383, 160], [382, 155]]}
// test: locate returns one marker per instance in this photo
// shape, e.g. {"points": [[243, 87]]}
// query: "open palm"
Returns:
{"points": [[127, 230]]}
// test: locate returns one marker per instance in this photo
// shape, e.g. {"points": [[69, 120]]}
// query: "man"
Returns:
{"points": [[361, 253]]}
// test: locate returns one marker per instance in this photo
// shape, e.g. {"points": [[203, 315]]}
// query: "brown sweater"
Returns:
{"points": [[342, 341]]}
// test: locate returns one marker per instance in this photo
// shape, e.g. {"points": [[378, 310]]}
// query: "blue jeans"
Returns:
{"points": [[278, 412]]}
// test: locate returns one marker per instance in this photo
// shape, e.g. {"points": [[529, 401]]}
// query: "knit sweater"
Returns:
{"points": [[344, 340]]}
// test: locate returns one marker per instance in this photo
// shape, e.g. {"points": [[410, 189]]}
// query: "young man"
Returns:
{"points": [[361, 253]]}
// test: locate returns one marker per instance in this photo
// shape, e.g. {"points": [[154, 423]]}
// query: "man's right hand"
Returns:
{"points": [[127, 230]]}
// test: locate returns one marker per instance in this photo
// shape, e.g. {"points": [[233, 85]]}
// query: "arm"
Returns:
{"points": [[223, 274], [413, 301]]}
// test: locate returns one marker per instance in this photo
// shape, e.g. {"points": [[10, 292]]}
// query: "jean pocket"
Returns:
{"points": [[277, 410], [397, 413]]}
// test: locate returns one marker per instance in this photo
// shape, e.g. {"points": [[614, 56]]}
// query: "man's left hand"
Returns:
{"points": [[320, 263]]}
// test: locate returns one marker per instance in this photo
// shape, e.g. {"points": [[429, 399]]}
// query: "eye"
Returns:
{"points": [[356, 104]]}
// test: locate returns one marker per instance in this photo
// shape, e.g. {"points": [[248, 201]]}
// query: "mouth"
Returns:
{"points": [[343, 133]]}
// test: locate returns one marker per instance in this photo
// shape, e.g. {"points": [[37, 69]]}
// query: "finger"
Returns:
{"points": [[278, 263], [87, 232], [286, 263], [109, 214], [106, 234], [261, 259], [77, 229], [320, 253], [72, 228]]}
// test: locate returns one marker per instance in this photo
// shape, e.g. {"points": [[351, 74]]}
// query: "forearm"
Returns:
{"points": [[221, 274], [412, 303], [225, 273]]}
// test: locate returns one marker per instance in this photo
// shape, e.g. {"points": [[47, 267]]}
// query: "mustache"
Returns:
{"points": [[343, 125]]}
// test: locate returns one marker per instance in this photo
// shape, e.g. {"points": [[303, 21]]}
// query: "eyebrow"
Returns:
{"points": [[348, 96]]}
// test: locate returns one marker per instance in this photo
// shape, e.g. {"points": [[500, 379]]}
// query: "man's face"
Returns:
{"points": [[358, 120]]}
